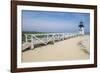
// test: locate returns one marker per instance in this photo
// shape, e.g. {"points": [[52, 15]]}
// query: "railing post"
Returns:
{"points": [[63, 36], [47, 38], [53, 39], [32, 42], [58, 36], [26, 39]]}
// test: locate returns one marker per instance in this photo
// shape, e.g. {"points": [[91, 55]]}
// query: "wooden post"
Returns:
{"points": [[47, 39], [26, 38], [63, 36], [53, 39], [32, 43], [58, 37]]}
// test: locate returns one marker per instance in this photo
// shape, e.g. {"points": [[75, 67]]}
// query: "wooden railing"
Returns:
{"points": [[45, 38]]}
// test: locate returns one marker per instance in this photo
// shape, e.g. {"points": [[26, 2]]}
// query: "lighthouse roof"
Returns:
{"points": [[81, 24]]}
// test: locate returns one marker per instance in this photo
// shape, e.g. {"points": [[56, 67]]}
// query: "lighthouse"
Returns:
{"points": [[81, 28]]}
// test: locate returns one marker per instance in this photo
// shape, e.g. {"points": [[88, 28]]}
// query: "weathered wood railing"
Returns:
{"points": [[45, 38]]}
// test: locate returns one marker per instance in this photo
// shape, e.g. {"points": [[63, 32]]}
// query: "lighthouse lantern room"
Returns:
{"points": [[81, 28]]}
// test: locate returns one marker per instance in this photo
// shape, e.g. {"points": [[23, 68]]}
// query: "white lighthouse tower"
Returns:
{"points": [[81, 28]]}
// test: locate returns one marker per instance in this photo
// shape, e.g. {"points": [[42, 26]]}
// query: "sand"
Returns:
{"points": [[76, 48]]}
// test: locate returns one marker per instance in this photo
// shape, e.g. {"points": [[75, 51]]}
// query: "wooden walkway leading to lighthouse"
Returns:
{"points": [[45, 39]]}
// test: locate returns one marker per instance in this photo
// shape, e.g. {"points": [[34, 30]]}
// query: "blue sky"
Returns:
{"points": [[49, 21]]}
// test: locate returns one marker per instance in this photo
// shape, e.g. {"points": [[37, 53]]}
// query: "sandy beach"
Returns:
{"points": [[76, 48]]}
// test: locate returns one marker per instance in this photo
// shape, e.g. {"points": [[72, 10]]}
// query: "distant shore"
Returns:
{"points": [[76, 48]]}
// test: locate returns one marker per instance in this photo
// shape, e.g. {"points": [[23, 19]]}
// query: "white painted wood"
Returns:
{"points": [[25, 45], [32, 43], [50, 37], [53, 38], [26, 39]]}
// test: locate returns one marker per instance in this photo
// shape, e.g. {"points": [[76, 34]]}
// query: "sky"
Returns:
{"points": [[50, 21]]}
